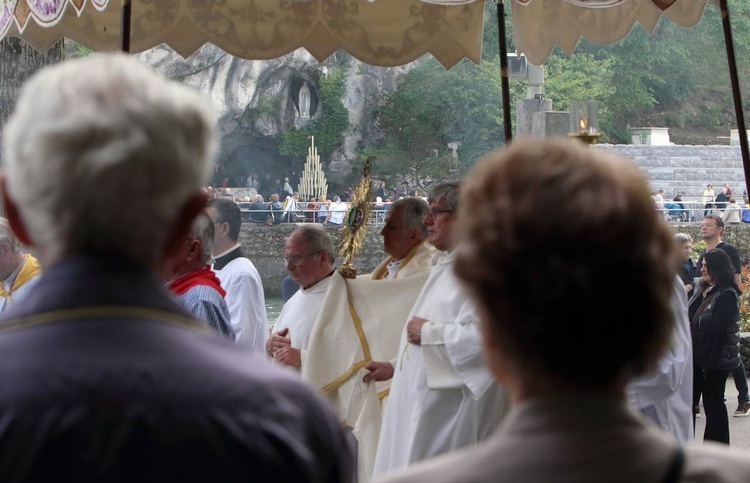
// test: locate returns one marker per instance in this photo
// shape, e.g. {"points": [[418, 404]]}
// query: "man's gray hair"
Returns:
{"points": [[448, 192], [117, 150], [317, 239], [203, 231], [682, 238], [7, 236], [413, 211], [258, 199]]}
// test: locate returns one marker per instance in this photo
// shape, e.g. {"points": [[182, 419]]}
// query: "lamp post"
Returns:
{"points": [[584, 124]]}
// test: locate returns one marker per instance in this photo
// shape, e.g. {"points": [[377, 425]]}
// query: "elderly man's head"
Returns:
{"points": [[558, 221], [309, 255], [195, 252], [101, 128], [404, 228], [10, 250], [440, 218]]}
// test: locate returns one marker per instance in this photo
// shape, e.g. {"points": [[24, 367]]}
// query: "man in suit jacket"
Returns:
{"points": [[106, 377], [555, 333]]}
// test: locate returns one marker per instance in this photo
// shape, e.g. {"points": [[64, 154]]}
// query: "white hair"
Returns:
{"points": [[7, 236], [114, 148]]}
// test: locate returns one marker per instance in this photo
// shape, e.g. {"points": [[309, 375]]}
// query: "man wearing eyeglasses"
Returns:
{"points": [[442, 396], [309, 255]]}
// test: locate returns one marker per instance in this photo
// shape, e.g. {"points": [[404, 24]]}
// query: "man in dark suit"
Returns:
{"points": [[106, 377]]}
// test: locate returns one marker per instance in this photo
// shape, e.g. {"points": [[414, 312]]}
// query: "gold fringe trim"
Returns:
{"points": [[102, 311], [336, 383]]}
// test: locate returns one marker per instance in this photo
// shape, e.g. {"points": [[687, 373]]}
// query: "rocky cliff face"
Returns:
{"points": [[256, 101]]}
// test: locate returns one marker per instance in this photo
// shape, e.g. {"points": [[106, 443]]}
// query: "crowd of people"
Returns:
{"points": [[724, 204], [487, 346]]}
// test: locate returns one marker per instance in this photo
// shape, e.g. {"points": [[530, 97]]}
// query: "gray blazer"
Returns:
{"points": [[577, 439]]}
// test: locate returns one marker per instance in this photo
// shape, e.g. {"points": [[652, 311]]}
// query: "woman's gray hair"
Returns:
{"points": [[117, 150], [682, 238], [203, 231]]}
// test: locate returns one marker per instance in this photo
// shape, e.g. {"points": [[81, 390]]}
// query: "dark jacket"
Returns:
{"points": [[716, 331], [107, 379]]}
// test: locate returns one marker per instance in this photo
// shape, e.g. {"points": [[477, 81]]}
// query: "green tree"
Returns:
{"points": [[432, 107]]}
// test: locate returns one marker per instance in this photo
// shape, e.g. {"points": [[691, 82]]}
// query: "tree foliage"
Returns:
{"points": [[432, 107]]}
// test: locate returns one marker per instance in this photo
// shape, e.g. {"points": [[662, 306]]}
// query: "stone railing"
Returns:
{"points": [[265, 245]]}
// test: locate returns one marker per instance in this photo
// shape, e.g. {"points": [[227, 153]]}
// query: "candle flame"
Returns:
{"points": [[583, 125]]}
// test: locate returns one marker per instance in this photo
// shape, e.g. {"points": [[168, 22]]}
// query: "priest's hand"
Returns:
{"points": [[288, 356], [379, 371], [414, 330], [277, 341]]}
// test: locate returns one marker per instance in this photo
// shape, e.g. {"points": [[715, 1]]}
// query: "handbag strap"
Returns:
{"points": [[676, 464]]}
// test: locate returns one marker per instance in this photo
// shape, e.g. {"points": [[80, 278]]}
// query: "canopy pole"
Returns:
{"points": [[507, 124], [127, 13], [739, 113]]}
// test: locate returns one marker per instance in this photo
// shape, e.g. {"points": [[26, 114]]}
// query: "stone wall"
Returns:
{"points": [[686, 169], [265, 246]]}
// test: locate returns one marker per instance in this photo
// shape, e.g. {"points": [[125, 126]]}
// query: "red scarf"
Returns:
{"points": [[203, 276]]}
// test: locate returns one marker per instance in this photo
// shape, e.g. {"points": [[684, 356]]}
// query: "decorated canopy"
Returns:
{"points": [[383, 32], [539, 25]]}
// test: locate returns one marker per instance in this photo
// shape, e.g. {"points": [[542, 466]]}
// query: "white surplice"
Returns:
{"points": [[665, 396], [361, 320], [299, 313], [246, 302], [417, 261], [442, 396]]}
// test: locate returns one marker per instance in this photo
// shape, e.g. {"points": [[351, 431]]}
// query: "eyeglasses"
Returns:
{"points": [[296, 260], [433, 213]]}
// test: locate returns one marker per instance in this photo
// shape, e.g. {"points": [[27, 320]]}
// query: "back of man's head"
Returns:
{"points": [[117, 150], [228, 212], [412, 212]]}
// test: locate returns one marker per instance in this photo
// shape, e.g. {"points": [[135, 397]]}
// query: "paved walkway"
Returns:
{"points": [[739, 428]]}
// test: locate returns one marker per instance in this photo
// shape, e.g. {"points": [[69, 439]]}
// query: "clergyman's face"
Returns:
{"points": [[439, 221], [303, 266], [397, 237]]}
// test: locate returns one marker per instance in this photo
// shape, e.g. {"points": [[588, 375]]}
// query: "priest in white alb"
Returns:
{"points": [[361, 320], [310, 257], [442, 396], [404, 236]]}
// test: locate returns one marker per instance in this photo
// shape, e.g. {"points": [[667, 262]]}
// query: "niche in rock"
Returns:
{"points": [[304, 97]]}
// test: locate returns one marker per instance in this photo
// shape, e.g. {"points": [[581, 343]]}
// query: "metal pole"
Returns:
{"points": [[736, 91], [127, 14], [507, 124]]}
